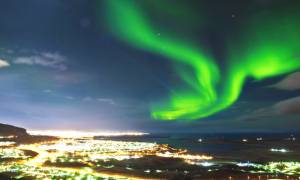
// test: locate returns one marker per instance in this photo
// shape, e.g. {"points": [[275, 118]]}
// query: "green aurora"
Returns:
{"points": [[267, 45]]}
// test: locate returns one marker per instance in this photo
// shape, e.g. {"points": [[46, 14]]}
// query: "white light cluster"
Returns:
{"points": [[7, 143], [81, 134], [279, 150]]}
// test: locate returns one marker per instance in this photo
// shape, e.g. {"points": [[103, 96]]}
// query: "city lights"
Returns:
{"points": [[91, 158], [56, 159], [279, 150]]}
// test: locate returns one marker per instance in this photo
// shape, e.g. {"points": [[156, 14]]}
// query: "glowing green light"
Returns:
{"points": [[267, 48]]}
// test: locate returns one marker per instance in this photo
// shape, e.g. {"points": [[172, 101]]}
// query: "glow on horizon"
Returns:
{"points": [[84, 134]]}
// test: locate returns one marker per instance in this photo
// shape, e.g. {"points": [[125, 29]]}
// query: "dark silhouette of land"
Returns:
{"points": [[9, 130], [20, 135]]}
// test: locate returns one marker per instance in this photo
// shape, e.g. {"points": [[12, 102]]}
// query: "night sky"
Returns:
{"points": [[128, 65]]}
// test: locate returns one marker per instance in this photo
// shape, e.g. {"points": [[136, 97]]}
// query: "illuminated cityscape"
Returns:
{"points": [[87, 157], [80, 158]]}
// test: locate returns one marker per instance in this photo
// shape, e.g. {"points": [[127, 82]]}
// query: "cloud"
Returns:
{"points": [[101, 100], [69, 97], [46, 59], [258, 114], [3, 63], [290, 106], [47, 91], [291, 82], [88, 98], [7, 51], [106, 100], [281, 110]]}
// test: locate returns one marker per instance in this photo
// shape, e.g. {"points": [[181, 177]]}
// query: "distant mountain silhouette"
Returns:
{"points": [[9, 130]]}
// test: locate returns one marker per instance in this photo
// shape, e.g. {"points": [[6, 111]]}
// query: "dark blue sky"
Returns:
{"points": [[65, 70]]}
